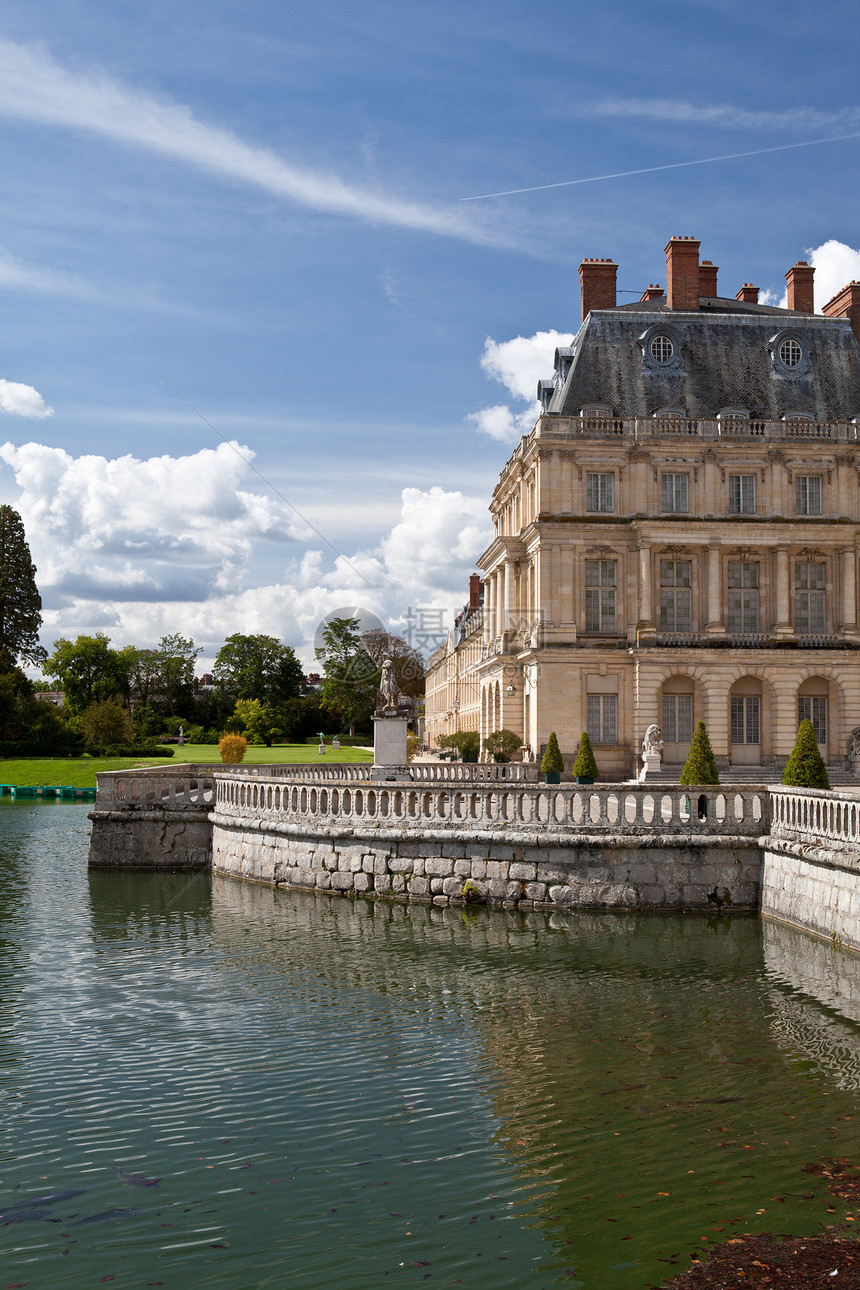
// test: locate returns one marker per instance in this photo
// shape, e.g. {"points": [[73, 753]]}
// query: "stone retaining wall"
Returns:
{"points": [[552, 872]]}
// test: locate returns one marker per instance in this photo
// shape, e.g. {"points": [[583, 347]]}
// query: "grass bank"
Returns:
{"points": [[80, 772]]}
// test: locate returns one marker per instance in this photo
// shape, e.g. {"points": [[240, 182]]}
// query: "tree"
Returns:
{"points": [[805, 767], [585, 765], [87, 669], [502, 744], [20, 602], [552, 762], [700, 766], [175, 658], [260, 724], [107, 723], [259, 667], [351, 675], [408, 664]]}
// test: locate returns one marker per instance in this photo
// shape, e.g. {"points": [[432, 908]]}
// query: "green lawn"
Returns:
{"points": [[80, 772]]}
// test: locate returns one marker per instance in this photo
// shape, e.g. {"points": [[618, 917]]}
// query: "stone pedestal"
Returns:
{"points": [[389, 747], [651, 763]]}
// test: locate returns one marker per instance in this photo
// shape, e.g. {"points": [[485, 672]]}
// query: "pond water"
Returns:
{"points": [[338, 1093]]}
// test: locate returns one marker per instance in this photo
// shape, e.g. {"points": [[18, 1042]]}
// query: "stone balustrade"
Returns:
{"points": [[169, 788], [809, 815], [628, 810], [713, 428]]}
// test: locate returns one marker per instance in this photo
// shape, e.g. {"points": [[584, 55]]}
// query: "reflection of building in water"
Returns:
{"points": [[818, 1014], [677, 538]]}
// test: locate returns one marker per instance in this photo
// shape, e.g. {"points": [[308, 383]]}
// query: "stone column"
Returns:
{"points": [[489, 609], [783, 627], [849, 592], [510, 599], [715, 599], [645, 629]]}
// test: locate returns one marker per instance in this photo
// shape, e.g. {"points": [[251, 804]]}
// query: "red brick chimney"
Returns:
{"points": [[652, 292], [800, 290], [707, 279], [682, 273], [846, 304], [748, 294], [475, 587], [597, 278]]}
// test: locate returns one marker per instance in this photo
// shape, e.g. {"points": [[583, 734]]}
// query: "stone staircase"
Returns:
{"points": [[839, 778]]}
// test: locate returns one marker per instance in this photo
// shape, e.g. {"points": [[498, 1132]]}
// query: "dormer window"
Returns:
{"points": [[790, 353], [661, 349], [595, 410]]}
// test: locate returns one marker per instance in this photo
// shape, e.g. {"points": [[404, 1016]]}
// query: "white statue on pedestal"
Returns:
{"points": [[652, 748], [389, 693]]}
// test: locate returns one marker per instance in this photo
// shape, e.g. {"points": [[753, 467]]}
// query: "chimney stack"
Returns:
{"points": [[597, 279], [748, 294], [682, 273], [707, 279], [652, 292], [800, 289], [846, 304], [475, 588]]}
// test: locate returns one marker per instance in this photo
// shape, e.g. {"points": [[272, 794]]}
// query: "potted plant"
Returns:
{"points": [[585, 767], [805, 767], [700, 766], [552, 762]]}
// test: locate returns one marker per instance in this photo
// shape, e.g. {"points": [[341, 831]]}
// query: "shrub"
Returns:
{"points": [[502, 744], [232, 749], [805, 767], [468, 744], [552, 762], [700, 767], [413, 745], [133, 750], [585, 766]]}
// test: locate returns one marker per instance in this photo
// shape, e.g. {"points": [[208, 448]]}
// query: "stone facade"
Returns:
{"points": [[677, 539]]}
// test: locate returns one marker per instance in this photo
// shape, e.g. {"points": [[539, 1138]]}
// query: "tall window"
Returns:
{"points": [[675, 494], [677, 718], [600, 595], [814, 708], [746, 719], [809, 590], [603, 718], [599, 492], [808, 493], [743, 596], [742, 494], [675, 595]]}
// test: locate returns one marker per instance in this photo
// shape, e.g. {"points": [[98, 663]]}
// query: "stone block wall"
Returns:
{"points": [[813, 887], [656, 872]]}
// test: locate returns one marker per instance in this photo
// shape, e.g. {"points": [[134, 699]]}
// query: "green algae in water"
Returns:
{"points": [[339, 1092]]}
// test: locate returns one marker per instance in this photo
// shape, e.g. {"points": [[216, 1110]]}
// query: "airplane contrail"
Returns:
{"points": [[650, 170]]}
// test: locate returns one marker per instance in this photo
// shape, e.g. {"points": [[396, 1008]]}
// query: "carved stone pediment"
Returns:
{"points": [[602, 550], [675, 551], [810, 553], [746, 553]]}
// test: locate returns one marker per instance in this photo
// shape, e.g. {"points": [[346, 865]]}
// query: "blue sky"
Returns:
{"points": [[262, 206]]}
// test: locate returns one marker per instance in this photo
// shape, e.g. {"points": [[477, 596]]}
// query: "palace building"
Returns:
{"points": [[677, 538]]}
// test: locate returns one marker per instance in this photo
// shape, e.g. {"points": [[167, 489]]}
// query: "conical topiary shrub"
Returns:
{"points": [[700, 767], [585, 767], [552, 762], [805, 767]]}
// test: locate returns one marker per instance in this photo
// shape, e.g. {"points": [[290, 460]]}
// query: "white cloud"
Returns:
{"points": [[17, 274], [518, 364], [138, 548], [835, 266], [22, 400], [725, 114], [34, 87]]}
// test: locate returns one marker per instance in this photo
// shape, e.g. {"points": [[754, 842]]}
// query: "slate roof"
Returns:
{"points": [[723, 360]]}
